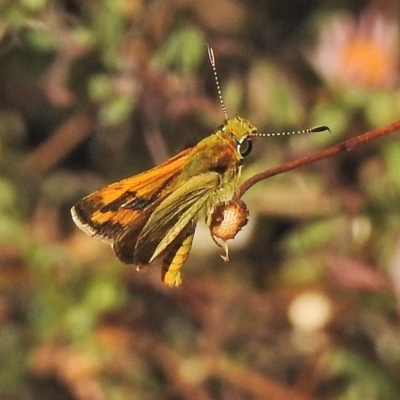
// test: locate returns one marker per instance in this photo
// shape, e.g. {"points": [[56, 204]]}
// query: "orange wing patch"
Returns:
{"points": [[107, 212]]}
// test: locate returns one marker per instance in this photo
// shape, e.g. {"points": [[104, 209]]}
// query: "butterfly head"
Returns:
{"points": [[241, 130]]}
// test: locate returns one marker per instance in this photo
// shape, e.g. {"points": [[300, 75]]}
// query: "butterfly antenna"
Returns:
{"points": [[216, 80], [315, 129]]}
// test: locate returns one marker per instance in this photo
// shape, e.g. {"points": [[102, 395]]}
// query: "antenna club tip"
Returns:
{"points": [[210, 54], [321, 128]]}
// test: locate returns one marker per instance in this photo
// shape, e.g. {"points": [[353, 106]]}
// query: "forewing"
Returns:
{"points": [[106, 213], [173, 215]]}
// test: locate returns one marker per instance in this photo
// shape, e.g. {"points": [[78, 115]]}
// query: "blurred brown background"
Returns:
{"points": [[308, 307]]}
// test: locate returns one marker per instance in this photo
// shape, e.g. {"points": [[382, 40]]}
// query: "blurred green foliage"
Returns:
{"points": [[96, 91]]}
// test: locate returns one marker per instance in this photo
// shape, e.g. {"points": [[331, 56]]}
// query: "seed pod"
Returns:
{"points": [[228, 219]]}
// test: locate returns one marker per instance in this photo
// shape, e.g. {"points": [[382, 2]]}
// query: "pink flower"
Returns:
{"points": [[361, 52]]}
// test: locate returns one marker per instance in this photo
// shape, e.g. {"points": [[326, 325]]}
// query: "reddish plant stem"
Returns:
{"points": [[347, 145]]}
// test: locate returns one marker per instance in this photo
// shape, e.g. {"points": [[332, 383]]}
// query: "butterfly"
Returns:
{"points": [[153, 215]]}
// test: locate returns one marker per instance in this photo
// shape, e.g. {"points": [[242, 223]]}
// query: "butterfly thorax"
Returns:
{"points": [[221, 151]]}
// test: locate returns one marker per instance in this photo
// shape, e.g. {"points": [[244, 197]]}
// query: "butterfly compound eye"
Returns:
{"points": [[245, 147]]}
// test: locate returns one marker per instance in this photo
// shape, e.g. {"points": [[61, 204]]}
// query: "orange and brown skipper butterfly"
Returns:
{"points": [[153, 215]]}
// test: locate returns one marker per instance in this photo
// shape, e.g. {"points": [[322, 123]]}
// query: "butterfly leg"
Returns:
{"points": [[225, 256], [174, 259], [224, 246]]}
